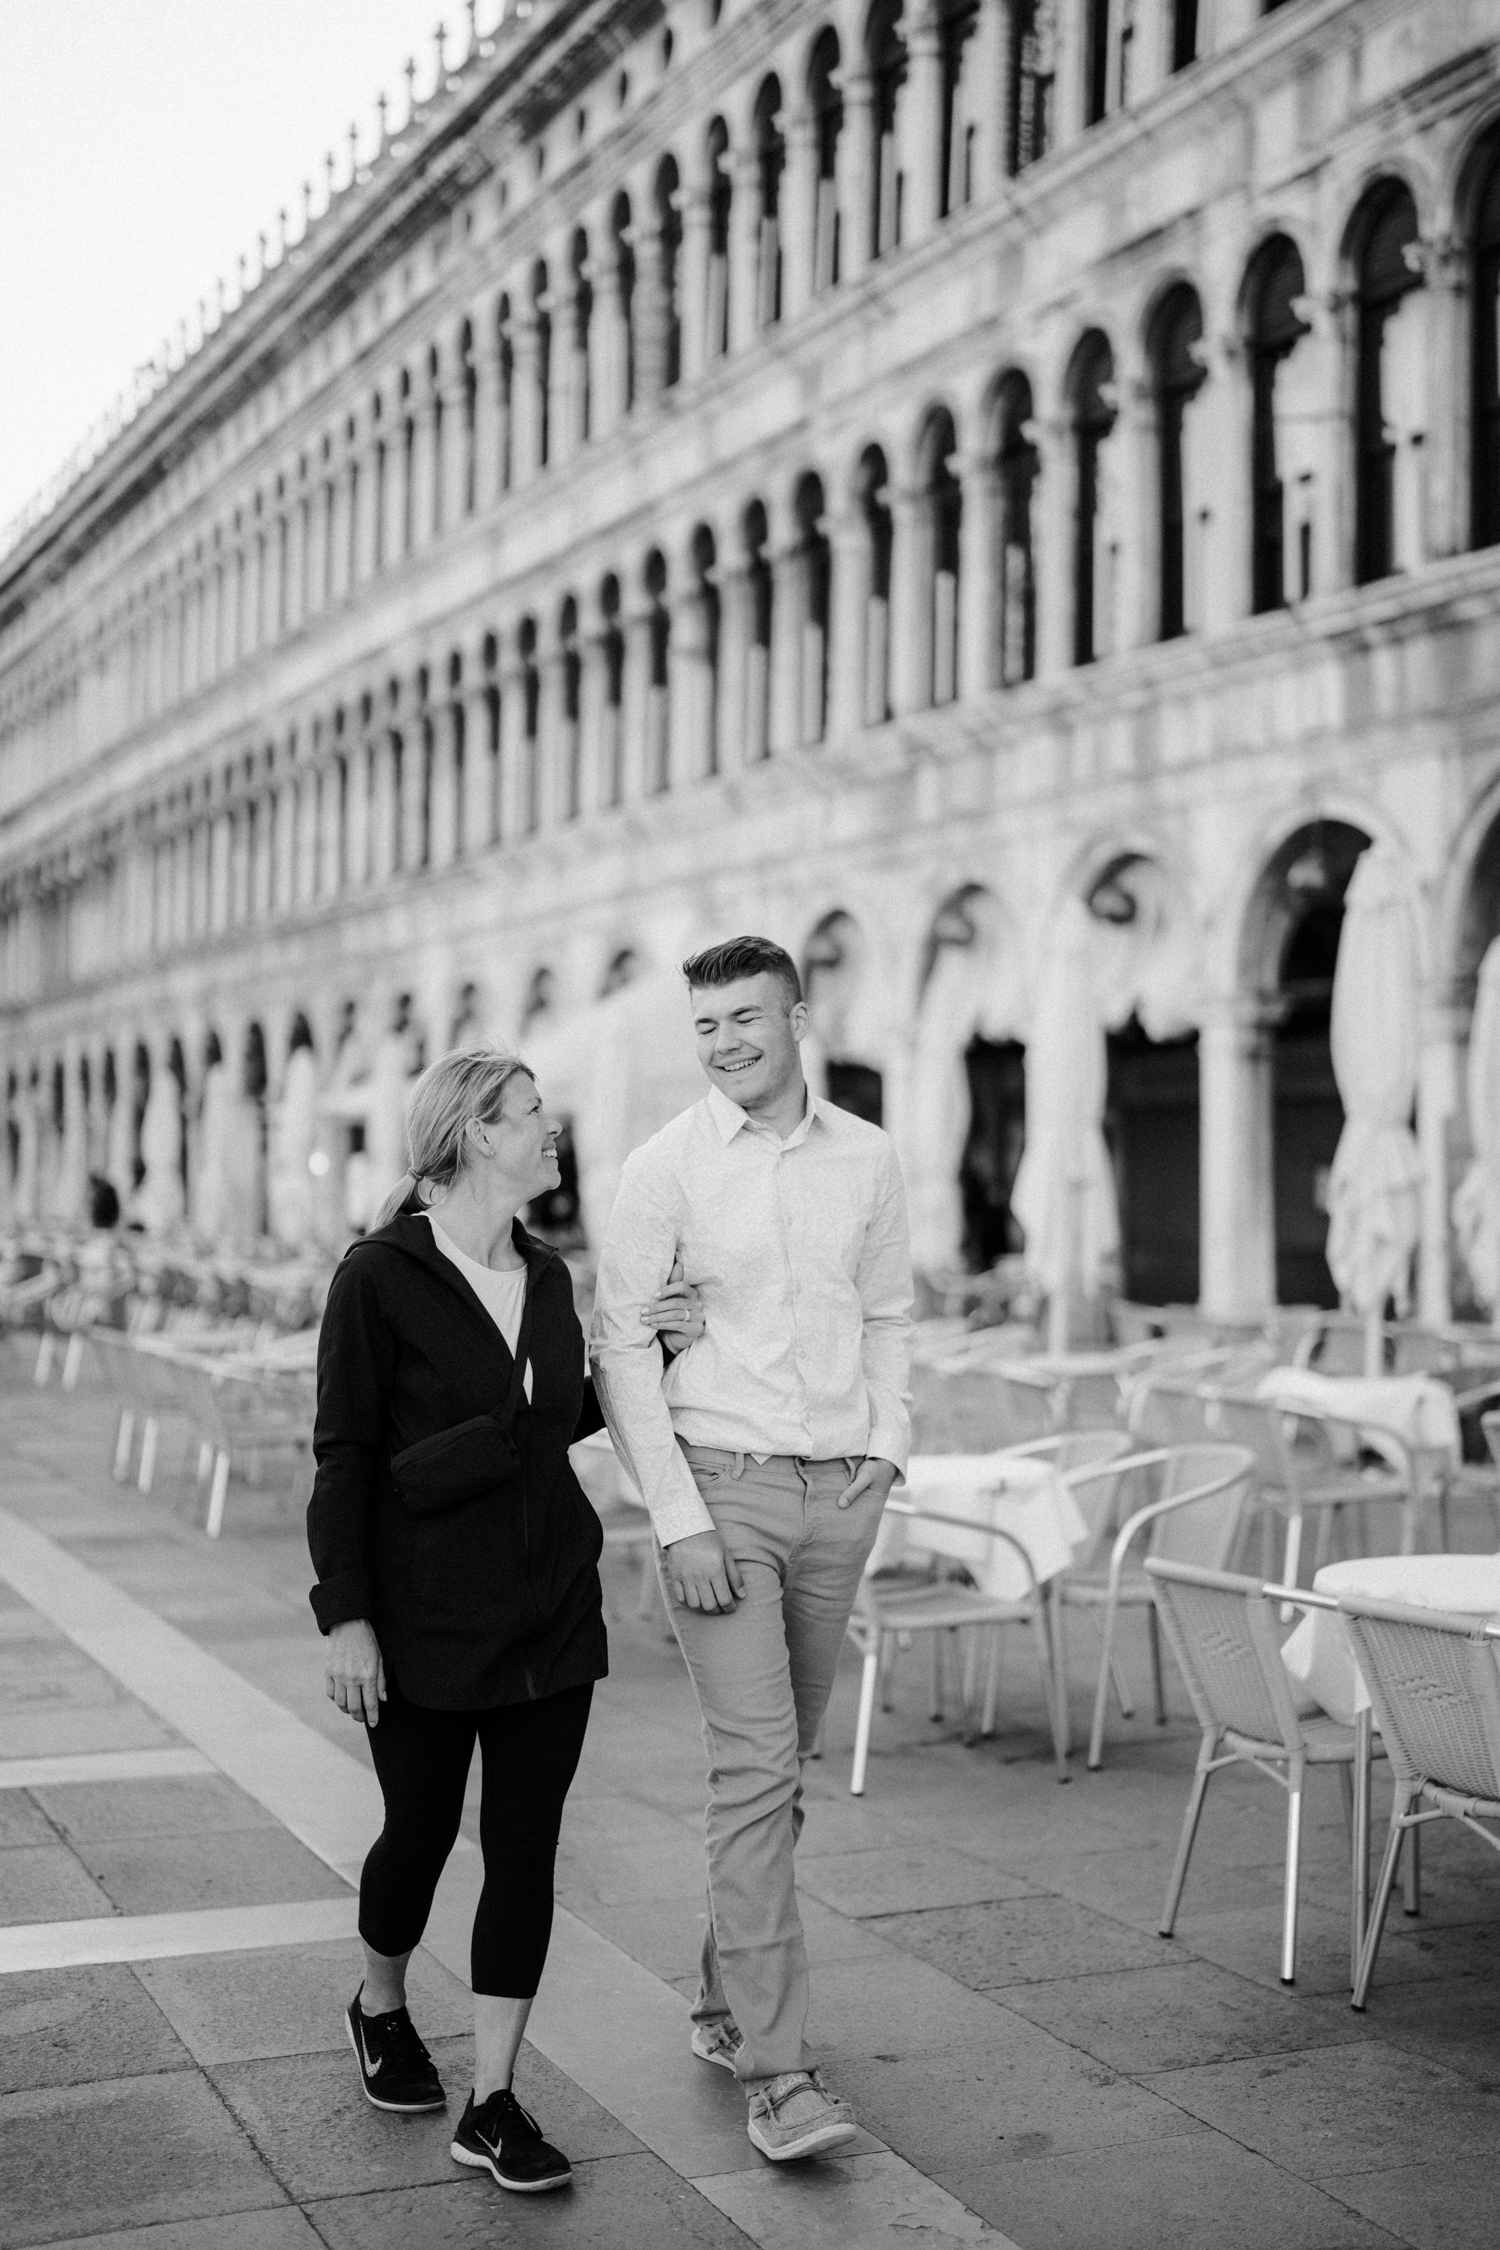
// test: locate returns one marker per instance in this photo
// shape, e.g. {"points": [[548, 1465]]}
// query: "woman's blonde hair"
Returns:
{"points": [[468, 1084]]}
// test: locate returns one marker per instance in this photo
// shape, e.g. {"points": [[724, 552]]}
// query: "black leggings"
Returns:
{"points": [[529, 1753]]}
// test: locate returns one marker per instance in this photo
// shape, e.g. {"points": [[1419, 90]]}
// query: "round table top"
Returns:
{"points": [[1468, 1585]]}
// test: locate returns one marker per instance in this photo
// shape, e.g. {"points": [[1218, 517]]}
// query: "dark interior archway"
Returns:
{"points": [[1151, 1131], [996, 1071]]}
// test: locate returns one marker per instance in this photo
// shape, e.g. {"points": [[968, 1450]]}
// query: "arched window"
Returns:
{"points": [[872, 488], [720, 207], [1484, 528], [704, 556], [827, 106], [1184, 33], [530, 684], [1274, 330], [1033, 57], [469, 392], [669, 260], [815, 581], [1176, 378], [1091, 400], [936, 526], [658, 759], [624, 258], [1016, 466], [770, 163], [1096, 60], [758, 593], [612, 730], [569, 714], [582, 316], [1385, 228], [958, 21], [505, 404], [886, 55], [541, 313], [440, 436]]}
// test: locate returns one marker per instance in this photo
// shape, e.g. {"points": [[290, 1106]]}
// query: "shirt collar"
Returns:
{"points": [[730, 1119]]}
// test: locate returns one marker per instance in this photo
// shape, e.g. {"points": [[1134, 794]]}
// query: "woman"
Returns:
{"points": [[456, 1559]]}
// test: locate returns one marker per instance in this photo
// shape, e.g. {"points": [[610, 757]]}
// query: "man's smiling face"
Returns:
{"points": [[747, 1034]]}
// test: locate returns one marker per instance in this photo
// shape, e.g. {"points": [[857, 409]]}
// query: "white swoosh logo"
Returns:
{"points": [[372, 2069]]}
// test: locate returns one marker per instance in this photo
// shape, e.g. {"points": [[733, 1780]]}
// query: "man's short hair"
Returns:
{"points": [[743, 957]]}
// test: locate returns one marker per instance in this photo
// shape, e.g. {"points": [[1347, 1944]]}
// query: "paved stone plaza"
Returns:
{"points": [[180, 1811]]}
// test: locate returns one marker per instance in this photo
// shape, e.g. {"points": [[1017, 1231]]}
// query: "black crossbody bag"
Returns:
{"points": [[472, 1458]]}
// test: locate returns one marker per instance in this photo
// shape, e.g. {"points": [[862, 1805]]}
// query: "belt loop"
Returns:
{"points": [[739, 1466]]}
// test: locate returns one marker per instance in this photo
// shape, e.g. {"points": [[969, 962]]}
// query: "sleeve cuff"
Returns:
{"points": [[341, 1599], [891, 1444], [681, 1517]]}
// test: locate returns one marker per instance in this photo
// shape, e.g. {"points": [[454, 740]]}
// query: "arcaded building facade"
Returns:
{"points": [[870, 474]]}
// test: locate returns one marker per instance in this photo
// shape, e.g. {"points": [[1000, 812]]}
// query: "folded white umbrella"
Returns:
{"points": [[1476, 1206], [1374, 1191], [1064, 1194]]}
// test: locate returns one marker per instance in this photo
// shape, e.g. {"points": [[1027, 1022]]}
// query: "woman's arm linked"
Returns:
{"points": [[356, 1355]]}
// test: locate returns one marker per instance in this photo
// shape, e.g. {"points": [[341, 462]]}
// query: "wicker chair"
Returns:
{"points": [[1201, 1495], [1223, 1631], [1435, 1688]]}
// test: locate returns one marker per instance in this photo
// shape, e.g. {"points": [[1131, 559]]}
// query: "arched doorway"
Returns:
{"points": [[834, 980], [1302, 910], [966, 1108]]}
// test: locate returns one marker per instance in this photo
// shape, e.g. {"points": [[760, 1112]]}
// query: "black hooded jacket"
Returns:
{"points": [[496, 1600]]}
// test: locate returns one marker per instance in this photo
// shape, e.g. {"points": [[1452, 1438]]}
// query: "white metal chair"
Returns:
{"points": [[1435, 1688], [936, 1599], [1299, 1470], [1201, 1495], [1223, 1631]]}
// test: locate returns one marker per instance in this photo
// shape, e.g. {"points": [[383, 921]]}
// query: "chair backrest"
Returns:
{"points": [[1223, 1633], [1027, 1403], [1490, 1424], [1255, 1423], [1339, 1347], [1421, 1351], [1169, 1414], [1083, 1458], [1203, 1531], [1434, 1683], [1089, 1402]]}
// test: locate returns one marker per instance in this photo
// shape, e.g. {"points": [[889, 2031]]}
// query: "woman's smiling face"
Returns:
{"points": [[521, 1143]]}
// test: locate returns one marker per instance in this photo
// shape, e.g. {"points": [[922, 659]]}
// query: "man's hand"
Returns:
{"points": [[703, 1574], [354, 1671], [873, 1476]]}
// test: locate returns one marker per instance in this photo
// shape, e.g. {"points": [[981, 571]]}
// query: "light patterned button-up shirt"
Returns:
{"points": [[800, 1250]]}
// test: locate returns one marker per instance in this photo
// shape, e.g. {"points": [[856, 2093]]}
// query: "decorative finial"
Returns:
{"points": [[440, 41], [219, 302], [472, 10], [240, 264], [353, 153], [381, 106], [306, 206], [281, 234], [409, 73], [260, 242], [327, 178], [182, 343]]}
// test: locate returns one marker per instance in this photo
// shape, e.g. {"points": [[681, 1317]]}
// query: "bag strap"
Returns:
{"points": [[504, 1414]]}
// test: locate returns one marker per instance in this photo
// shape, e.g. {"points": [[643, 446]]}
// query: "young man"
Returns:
{"points": [[765, 1455]]}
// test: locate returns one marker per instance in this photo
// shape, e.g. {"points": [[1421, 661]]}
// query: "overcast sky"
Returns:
{"points": [[146, 143]]}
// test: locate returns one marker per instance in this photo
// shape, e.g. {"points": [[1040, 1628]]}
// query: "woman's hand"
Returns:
{"points": [[677, 1313], [354, 1671]]}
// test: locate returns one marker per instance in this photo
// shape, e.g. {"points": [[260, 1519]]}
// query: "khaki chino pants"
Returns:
{"points": [[763, 1675]]}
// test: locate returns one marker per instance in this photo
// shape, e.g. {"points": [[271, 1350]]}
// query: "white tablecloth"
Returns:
{"points": [[1418, 1408], [1317, 1654], [1026, 1498]]}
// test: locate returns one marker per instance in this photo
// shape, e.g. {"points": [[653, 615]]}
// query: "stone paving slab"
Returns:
{"points": [[244, 2007], [249, 1867], [81, 2159], [1022, 1940], [622, 2203], [286, 2229], [67, 2027], [1181, 2015], [47, 1883], [206, 1804], [1431, 2206]]}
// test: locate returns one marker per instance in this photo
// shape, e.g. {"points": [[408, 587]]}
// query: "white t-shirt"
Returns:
{"points": [[503, 1295]]}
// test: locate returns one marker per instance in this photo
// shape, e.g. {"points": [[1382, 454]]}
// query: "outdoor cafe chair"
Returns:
{"points": [[1299, 1469], [947, 1596], [1224, 1632], [1435, 1689], [1027, 1402], [1201, 1495]]}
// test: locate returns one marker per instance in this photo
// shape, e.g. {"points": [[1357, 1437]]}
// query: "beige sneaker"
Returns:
{"points": [[717, 2041], [795, 2115]]}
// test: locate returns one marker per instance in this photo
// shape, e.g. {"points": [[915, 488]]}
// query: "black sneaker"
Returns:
{"points": [[395, 2069], [501, 2137]]}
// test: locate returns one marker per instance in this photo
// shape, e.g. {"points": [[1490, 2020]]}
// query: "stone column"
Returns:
{"points": [[977, 592], [488, 405], [859, 154], [594, 715], [368, 496], [693, 281], [393, 497], [457, 437], [409, 810], [1237, 1203], [612, 363], [384, 809], [849, 537], [734, 649], [446, 782], [525, 396], [239, 861], [921, 125], [990, 64], [911, 601], [1444, 264], [693, 715], [788, 617], [1054, 539], [651, 309], [330, 826], [1438, 1080], [307, 828], [1217, 472], [637, 782], [348, 483], [799, 197], [479, 795], [1068, 76], [744, 250], [424, 459]]}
